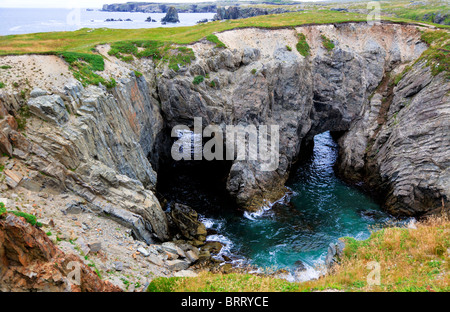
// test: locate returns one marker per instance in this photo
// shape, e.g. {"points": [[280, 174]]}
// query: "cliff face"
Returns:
{"points": [[399, 145], [259, 80], [96, 146], [160, 8], [234, 12], [104, 145]]}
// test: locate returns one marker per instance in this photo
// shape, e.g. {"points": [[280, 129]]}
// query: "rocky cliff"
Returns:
{"points": [[259, 79], [105, 145], [234, 12]]}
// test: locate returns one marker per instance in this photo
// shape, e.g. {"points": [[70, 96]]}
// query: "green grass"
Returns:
{"points": [[2, 85], [5, 67], [21, 119], [28, 217], [94, 62], [159, 52], [437, 56], [2, 209], [198, 79], [84, 67], [302, 46], [214, 39], [327, 43]]}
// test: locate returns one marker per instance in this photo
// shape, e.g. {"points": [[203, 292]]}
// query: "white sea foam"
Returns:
{"points": [[268, 206]]}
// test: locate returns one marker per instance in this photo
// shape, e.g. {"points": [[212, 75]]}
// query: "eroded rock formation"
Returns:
{"points": [[105, 145]]}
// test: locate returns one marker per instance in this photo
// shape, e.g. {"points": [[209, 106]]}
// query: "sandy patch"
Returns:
{"points": [[27, 72]]}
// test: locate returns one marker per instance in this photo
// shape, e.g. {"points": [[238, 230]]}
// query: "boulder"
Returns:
{"points": [[186, 220], [177, 265], [50, 108]]}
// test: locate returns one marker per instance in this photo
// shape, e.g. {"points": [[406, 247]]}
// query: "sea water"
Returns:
{"points": [[24, 21]]}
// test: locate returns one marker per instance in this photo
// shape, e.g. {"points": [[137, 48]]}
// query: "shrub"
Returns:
{"points": [[5, 67], [288, 48], [138, 74], [254, 71], [2, 85], [302, 46], [198, 79]]}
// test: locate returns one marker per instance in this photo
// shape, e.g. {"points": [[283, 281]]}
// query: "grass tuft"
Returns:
{"points": [[302, 46]]}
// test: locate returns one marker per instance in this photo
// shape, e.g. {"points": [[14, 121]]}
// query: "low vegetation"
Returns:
{"points": [[198, 79], [437, 56], [302, 46], [28, 217], [84, 67], [214, 39], [327, 43], [176, 57], [409, 260]]}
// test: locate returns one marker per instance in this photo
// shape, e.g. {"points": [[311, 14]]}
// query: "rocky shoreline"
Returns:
{"points": [[85, 158]]}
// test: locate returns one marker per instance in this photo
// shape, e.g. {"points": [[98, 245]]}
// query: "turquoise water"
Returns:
{"points": [[300, 228], [296, 229]]}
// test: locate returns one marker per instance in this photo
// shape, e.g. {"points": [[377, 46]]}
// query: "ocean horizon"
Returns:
{"points": [[16, 21]]}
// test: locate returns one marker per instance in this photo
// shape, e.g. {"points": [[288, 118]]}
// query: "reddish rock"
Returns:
{"points": [[29, 261], [5, 145]]}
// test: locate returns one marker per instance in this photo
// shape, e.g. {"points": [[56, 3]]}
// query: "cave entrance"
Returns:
{"points": [[200, 184]]}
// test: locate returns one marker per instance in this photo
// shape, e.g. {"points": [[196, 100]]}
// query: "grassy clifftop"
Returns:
{"points": [[84, 40], [408, 259]]}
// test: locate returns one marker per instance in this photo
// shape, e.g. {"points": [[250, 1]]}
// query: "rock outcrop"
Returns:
{"points": [[171, 16], [101, 154], [29, 261], [186, 220], [399, 146], [258, 81], [151, 7], [234, 12]]}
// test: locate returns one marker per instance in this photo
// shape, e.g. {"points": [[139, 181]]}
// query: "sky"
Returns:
{"points": [[76, 4]]}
